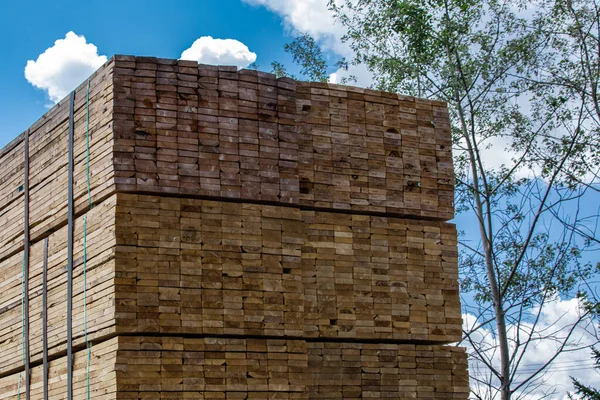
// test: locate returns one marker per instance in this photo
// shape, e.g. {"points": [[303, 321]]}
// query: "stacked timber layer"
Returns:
{"points": [[143, 367], [186, 129], [250, 237]]}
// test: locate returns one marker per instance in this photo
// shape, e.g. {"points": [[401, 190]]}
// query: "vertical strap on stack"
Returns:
{"points": [[22, 325], [89, 194], [26, 265], [70, 213], [45, 317], [87, 343], [87, 145]]}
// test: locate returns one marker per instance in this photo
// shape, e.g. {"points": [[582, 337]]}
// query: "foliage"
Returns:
{"points": [[587, 392], [280, 71], [308, 55]]}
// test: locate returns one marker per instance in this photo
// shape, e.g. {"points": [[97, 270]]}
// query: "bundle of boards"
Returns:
{"points": [[234, 236]]}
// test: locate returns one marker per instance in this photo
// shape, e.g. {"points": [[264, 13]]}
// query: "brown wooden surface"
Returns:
{"points": [[169, 126], [395, 371], [215, 131], [366, 150], [211, 368], [211, 131], [229, 268], [100, 284], [166, 126]]}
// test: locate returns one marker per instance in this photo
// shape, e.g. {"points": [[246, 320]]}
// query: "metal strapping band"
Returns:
{"points": [[26, 246], [70, 253], [45, 316]]}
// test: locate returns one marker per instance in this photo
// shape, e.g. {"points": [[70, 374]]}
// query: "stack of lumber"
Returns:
{"points": [[48, 164], [396, 371], [193, 129], [190, 266], [102, 376], [11, 197], [143, 367], [200, 266], [174, 127], [220, 365], [367, 150], [100, 294], [229, 268], [204, 130], [250, 238], [373, 277]]}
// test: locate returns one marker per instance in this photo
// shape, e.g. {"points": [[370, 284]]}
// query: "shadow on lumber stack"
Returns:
{"points": [[251, 238]]}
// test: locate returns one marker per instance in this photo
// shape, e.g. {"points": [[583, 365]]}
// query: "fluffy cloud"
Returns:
{"points": [[364, 77], [60, 68], [207, 50], [309, 16], [556, 319]]}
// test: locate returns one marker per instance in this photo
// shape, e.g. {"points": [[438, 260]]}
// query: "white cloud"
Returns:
{"points": [[309, 16], [207, 50], [364, 77], [556, 319], [60, 68]]}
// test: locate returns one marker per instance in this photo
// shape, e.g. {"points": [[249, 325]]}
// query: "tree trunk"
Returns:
{"points": [[502, 335]]}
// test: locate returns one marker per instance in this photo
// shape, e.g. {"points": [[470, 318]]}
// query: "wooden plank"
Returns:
{"points": [[100, 252], [249, 136], [399, 371]]}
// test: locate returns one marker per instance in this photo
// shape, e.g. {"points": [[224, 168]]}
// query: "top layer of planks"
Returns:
{"points": [[165, 126]]}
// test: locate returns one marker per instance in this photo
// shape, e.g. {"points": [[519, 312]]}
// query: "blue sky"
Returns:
{"points": [[152, 27]]}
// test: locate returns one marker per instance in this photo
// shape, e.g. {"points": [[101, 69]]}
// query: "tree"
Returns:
{"points": [[308, 55], [566, 77], [532, 249], [586, 392], [280, 71]]}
